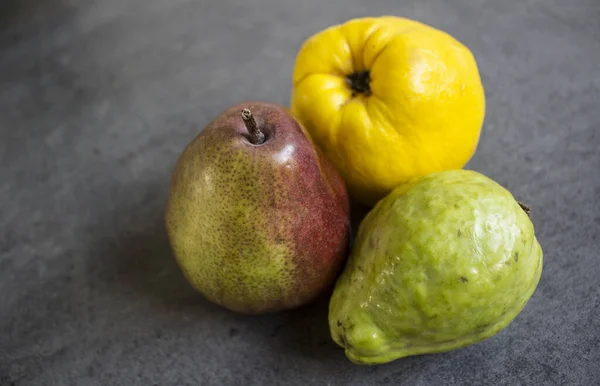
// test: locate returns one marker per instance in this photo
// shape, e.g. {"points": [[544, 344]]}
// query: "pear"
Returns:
{"points": [[257, 217], [441, 263]]}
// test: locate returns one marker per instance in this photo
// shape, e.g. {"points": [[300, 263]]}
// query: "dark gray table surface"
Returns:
{"points": [[98, 98]]}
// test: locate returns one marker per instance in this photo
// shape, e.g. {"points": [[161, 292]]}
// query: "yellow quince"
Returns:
{"points": [[388, 99]]}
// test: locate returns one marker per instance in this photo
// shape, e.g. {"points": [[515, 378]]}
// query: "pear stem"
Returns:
{"points": [[256, 136]]}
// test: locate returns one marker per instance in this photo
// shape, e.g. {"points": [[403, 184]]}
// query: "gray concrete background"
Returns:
{"points": [[97, 99]]}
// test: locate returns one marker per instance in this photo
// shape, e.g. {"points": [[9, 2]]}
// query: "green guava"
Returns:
{"points": [[441, 263]]}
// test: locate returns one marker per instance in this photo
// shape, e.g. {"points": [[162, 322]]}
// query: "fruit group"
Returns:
{"points": [[443, 262], [388, 99], [256, 216]]}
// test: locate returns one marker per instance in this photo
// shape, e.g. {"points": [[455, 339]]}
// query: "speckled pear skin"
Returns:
{"points": [[257, 228], [443, 262]]}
